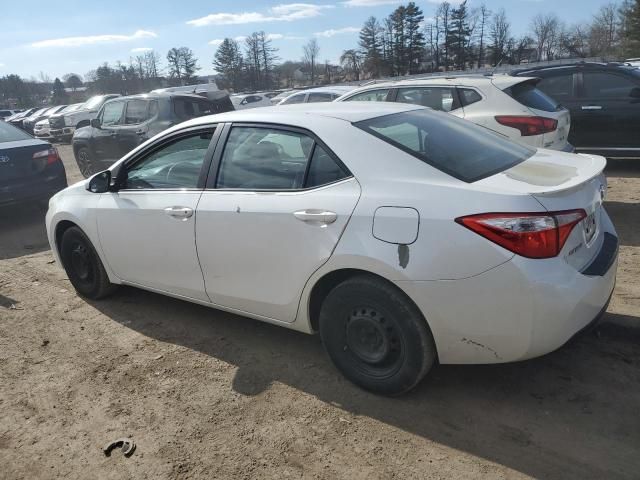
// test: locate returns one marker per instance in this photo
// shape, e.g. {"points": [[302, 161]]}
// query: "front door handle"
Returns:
{"points": [[181, 213], [591, 107], [140, 132], [316, 216]]}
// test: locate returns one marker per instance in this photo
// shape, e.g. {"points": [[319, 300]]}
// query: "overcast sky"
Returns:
{"points": [[76, 36]]}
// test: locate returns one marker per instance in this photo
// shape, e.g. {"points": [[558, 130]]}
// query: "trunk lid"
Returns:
{"points": [[562, 181], [17, 162]]}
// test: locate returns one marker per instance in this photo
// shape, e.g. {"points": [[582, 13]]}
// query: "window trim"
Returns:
{"points": [[162, 142], [214, 169]]}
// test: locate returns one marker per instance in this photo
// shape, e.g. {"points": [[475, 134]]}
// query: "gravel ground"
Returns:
{"points": [[206, 394]]}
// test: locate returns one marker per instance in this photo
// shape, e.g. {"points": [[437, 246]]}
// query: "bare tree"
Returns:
{"points": [[499, 34], [546, 32], [310, 55], [603, 35], [351, 61], [484, 14]]}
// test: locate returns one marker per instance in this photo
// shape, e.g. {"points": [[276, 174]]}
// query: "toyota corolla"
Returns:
{"points": [[402, 235]]}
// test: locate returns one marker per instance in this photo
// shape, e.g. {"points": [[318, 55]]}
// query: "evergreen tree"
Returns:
{"points": [[458, 35], [414, 36], [371, 43], [228, 62], [182, 65]]}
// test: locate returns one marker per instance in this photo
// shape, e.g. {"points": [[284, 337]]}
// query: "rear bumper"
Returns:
{"points": [[38, 188], [519, 310]]}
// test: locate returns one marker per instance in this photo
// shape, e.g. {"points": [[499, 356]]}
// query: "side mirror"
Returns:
{"points": [[635, 92], [95, 123], [100, 182]]}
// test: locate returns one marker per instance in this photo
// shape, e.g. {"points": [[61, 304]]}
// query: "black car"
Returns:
{"points": [[124, 123], [30, 169], [604, 101]]}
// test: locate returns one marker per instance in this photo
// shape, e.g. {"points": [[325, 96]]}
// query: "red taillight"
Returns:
{"points": [[528, 125], [532, 235], [51, 155]]}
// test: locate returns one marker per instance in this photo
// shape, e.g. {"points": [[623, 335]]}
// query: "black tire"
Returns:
{"points": [[376, 336], [85, 162], [83, 265]]}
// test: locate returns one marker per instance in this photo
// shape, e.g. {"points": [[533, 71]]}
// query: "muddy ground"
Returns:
{"points": [[206, 394]]}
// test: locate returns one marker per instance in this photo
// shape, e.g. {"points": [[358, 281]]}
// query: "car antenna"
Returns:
{"points": [[490, 74]]}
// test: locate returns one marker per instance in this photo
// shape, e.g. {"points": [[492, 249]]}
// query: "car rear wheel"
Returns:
{"points": [[376, 336], [83, 266], [85, 162]]}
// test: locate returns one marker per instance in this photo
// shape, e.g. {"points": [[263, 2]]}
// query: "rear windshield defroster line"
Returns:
{"points": [[454, 146]]}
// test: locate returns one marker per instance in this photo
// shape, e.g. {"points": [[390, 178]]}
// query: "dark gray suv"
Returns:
{"points": [[125, 122]]}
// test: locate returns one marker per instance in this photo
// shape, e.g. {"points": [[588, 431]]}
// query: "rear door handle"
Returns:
{"points": [[140, 132], [316, 216], [591, 107], [181, 213]]}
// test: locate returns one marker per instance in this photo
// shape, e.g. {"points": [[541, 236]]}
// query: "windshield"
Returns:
{"points": [[93, 102], [454, 146], [9, 133]]}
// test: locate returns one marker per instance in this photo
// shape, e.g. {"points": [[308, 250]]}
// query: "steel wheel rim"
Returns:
{"points": [[374, 341], [81, 263]]}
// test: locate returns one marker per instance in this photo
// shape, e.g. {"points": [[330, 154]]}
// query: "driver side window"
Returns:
{"points": [[174, 165], [112, 114]]}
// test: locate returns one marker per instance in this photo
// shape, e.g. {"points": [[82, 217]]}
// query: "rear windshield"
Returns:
{"points": [[9, 133], [186, 108], [530, 96], [454, 146]]}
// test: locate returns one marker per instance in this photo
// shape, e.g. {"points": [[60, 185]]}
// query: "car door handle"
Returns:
{"points": [[140, 132], [179, 212], [591, 107], [316, 216]]}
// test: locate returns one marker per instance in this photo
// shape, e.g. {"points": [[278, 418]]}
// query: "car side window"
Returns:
{"points": [[379, 95], [294, 99], [153, 108], [112, 114], [323, 169], [468, 96], [174, 165], [136, 112], [557, 86], [264, 159], [437, 98], [319, 97], [607, 85]]}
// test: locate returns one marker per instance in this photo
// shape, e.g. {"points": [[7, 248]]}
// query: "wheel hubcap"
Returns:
{"points": [[370, 337], [80, 262]]}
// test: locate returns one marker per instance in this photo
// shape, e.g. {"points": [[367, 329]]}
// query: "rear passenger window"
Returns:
{"points": [[557, 86], [264, 159], [528, 95], [370, 96], [136, 112], [186, 108], [323, 169], [437, 98], [319, 97], [153, 108], [468, 96]]}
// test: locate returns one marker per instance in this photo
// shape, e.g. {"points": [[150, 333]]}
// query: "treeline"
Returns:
{"points": [[455, 38]]}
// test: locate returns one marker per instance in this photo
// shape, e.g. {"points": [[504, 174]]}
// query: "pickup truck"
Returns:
{"points": [[63, 125]]}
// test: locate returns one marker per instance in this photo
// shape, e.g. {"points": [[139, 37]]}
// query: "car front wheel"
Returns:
{"points": [[83, 265], [85, 162], [376, 336]]}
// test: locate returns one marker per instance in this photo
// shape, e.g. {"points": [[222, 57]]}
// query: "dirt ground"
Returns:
{"points": [[206, 394]]}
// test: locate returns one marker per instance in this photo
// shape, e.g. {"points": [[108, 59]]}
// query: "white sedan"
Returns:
{"points": [[403, 235]]}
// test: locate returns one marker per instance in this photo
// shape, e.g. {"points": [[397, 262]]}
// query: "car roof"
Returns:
{"points": [[500, 81], [156, 95], [587, 65], [303, 114]]}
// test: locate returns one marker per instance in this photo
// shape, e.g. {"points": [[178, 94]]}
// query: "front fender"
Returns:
{"points": [[62, 207]]}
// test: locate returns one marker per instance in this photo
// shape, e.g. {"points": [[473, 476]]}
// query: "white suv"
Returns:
{"points": [[511, 106]]}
